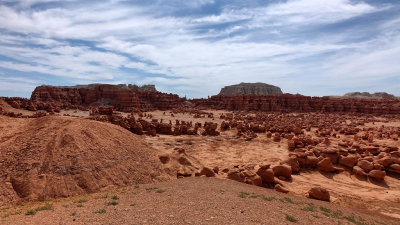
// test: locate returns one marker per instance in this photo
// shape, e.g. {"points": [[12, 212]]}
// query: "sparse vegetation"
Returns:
{"points": [[337, 214], [102, 196], [268, 199], [73, 213], [254, 196], [100, 211], [136, 186], [47, 206], [160, 191], [316, 216], [243, 194], [291, 218], [354, 220], [323, 209], [289, 200], [11, 214], [80, 201], [112, 203], [30, 212], [114, 197], [132, 204], [79, 205], [310, 208], [151, 189]]}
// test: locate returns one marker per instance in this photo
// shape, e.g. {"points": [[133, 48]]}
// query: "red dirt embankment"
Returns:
{"points": [[57, 156]]}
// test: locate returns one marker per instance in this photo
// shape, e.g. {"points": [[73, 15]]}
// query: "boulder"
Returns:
{"points": [[207, 172], [252, 178], [267, 175], [293, 163], [359, 171], [276, 137], [282, 170], [365, 165], [349, 161], [326, 165], [236, 175], [395, 168], [319, 193], [377, 174], [311, 161]]}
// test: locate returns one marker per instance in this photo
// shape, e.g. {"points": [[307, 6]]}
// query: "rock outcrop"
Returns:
{"points": [[299, 103], [133, 98], [122, 97], [251, 89], [319, 194], [368, 95]]}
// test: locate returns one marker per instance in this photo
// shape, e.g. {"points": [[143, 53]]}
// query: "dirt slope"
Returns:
{"points": [[56, 156], [190, 201]]}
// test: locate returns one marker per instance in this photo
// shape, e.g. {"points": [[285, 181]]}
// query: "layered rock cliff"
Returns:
{"points": [[251, 89], [368, 95], [299, 103], [131, 98], [122, 97]]}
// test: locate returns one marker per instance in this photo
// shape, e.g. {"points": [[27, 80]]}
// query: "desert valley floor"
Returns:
{"points": [[94, 171]]}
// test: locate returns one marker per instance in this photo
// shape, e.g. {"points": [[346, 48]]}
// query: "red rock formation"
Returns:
{"points": [[299, 103], [319, 193], [121, 97]]}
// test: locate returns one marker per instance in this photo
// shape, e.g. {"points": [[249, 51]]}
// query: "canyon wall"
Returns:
{"points": [[129, 98], [299, 103], [122, 97]]}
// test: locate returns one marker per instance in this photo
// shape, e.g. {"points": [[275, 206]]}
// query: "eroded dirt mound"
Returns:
{"points": [[56, 156]]}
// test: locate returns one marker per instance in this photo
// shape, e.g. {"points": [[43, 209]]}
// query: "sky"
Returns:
{"points": [[194, 48]]}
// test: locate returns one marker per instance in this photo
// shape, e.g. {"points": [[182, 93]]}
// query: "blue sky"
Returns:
{"points": [[193, 48]]}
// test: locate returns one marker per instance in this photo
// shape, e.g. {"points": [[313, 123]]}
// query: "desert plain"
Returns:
{"points": [[175, 161]]}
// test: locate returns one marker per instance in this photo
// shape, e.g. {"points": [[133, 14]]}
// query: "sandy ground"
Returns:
{"points": [[189, 201], [226, 151], [193, 201]]}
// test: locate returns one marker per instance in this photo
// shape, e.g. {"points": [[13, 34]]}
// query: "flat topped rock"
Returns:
{"points": [[251, 88], [368, 95]]}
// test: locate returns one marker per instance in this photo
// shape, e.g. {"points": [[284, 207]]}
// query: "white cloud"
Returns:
{"points": [[193, 50]]}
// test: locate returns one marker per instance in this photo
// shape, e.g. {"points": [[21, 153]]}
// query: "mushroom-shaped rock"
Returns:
{"points": [[348, 161], [385, 161], [359, 171], [395, 168], [252, 178], [276, 138], [291, 145], [365, 165], [377, 174], [207, 172], [378, 166], [267, 175], [326, 165], [235, 175], [293, 163], [319, 193], [282, 170], [311, 161], [280, 188]]}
